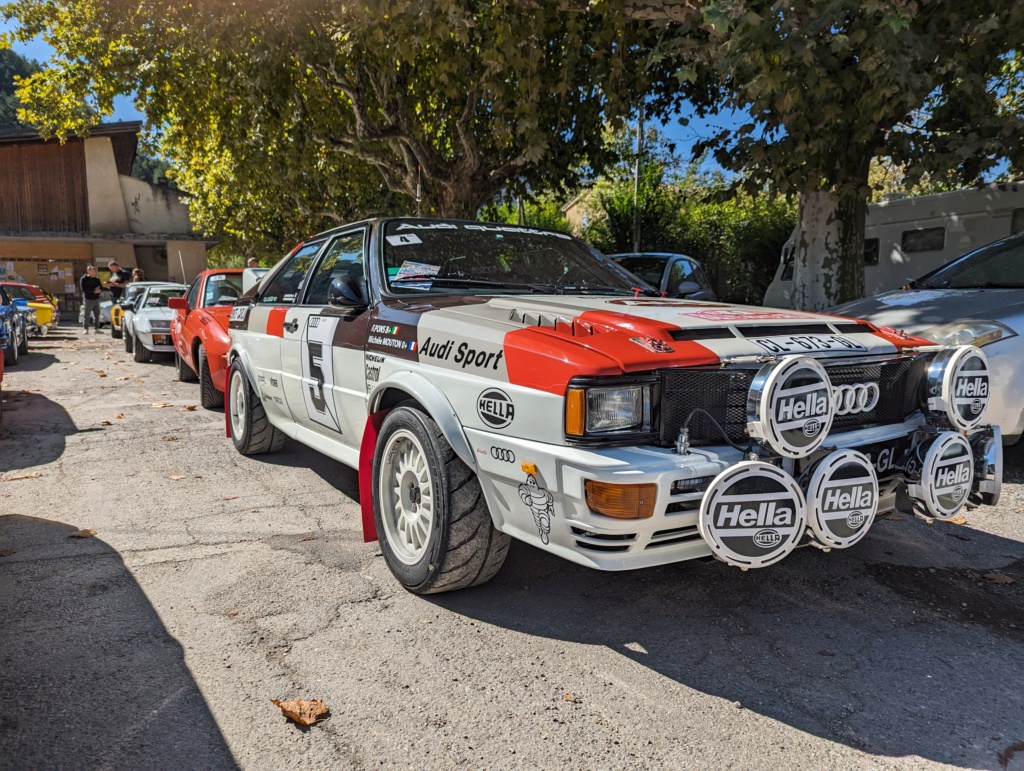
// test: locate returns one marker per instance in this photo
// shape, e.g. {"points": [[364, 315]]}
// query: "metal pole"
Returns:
{"points": [[636, 178]]}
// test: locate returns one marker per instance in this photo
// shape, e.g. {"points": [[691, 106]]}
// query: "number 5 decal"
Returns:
{"points": [[318, 370]]}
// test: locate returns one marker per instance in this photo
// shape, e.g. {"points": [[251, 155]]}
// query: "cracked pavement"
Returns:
{"points": [[160, 642]]}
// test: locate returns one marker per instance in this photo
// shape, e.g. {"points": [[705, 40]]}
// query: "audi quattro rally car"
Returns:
{"points": [[492, 381]]}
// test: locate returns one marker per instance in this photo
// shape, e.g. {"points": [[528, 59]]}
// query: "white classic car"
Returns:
{"points": [[147, 321], [490, 381]]}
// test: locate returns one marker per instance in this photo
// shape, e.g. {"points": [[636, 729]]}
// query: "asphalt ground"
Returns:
{"points": [[216, 583]]}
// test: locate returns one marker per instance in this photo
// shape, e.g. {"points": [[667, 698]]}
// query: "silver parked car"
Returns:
{"points": [[674, 275], [147, 320], [977, 299]]}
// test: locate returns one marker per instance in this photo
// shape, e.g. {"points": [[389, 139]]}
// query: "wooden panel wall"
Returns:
{"points": [[43, 188]]}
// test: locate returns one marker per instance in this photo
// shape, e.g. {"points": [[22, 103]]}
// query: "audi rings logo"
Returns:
{"points": [[500, 453], [855, 398]]}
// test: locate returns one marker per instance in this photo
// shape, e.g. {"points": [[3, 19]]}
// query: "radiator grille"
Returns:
{"points": [[723, 394]]}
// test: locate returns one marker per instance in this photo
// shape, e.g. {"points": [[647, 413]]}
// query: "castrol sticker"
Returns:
{"points": [[753, 515], [791, 406], [946, 475], [959, 386], [842, 499]]}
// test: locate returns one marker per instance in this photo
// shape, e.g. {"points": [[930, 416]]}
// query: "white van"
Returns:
{"points": [[907, 237]]}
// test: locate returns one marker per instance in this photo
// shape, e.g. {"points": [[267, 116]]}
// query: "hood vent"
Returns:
{"points": [[555, 322]]}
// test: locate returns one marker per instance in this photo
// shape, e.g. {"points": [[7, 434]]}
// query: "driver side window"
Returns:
{"points": [[193, 293], [344, 260], [287, 284]]}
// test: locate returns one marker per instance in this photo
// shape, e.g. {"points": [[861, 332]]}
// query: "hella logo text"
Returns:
{"points": [[765, 514]]}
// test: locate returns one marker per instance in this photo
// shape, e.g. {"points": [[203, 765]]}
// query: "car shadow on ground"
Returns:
{"points": [[33, 361], [342, 478], [89, 676], [34, 430], [898, 647]]}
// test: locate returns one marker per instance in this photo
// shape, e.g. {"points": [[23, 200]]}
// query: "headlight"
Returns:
{"points": [[968, 333], [160, 324], [614, 411]]}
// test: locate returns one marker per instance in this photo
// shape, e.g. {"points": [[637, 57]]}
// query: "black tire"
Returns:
{"points": [[129, 344], [23, 345], [209, 397], [463, 547], [251, 430], [11, 354], [182, 371], [115, 333], [140, 352]]}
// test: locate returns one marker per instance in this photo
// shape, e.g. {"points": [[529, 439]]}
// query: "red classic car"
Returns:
{"points": [[199, 331]]}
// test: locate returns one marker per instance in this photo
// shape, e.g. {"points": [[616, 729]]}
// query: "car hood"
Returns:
{"points": [[542, 342], [919, 309], [155, 313]]}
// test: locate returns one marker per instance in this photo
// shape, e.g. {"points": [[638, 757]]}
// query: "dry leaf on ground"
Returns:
{"points": [[570, 697], [119, 416], [125, 377], [307, 538], [161, 404], [303, 711], [188, 408], [170, 438], [106, 422], [86, 533], [998, 578], [232, 613], [957, 521], [8, 552], [33, 475], [176, 477], [229, 497]]}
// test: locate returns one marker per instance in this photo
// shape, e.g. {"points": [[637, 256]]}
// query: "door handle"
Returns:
{"points": [[291, 326]]}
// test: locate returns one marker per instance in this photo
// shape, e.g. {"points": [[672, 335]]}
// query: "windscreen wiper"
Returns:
{"points": [[461, 281]]}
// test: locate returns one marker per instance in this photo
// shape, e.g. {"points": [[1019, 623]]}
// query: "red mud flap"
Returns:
{"points": [[227, 412], [366, 449]]}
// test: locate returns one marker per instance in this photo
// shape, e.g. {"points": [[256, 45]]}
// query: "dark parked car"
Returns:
{"points": [[675, 275], [13, 331]]}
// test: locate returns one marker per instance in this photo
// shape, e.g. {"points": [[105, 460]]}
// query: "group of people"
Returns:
{"points": [[119, 278]]}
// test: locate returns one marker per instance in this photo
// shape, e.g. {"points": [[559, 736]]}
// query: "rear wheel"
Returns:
{"points": [[23, 345], [182, 371], [129, 344], [209, 396], [435, 531], [251, 429], [11, 351], [140, 352]]}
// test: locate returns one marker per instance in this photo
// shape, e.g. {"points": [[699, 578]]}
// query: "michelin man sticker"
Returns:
{"points": [[318, 370], [541, 503]]}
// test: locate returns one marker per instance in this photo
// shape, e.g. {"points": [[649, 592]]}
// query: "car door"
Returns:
{"points": [[179, 325], [127, 323], [268, 321], [323, 358]]}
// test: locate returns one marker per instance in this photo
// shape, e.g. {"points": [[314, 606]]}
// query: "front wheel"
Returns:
{"points": [[129, 344], [23, 345], [140, 352], [435, 531], [209, 396], [251, 429], [115, 333], [182, 371]]}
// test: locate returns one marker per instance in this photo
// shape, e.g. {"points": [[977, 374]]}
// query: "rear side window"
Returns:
{"points": [[287, 284], [924, 240], [871, 248]]}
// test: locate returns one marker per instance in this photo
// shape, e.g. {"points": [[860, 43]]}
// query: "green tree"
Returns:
{"points": [[12, 66], [457, 100], [831, 84]]}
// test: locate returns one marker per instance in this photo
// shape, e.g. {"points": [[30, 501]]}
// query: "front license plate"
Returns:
{"points": [[807, 343], [161, 339], [889, 457]]}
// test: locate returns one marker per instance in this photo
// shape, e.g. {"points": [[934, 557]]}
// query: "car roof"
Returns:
{"points": [[380, 220]]}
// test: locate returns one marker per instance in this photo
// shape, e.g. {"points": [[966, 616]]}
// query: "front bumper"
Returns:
{"points": [[157, 340], [551, 511]]}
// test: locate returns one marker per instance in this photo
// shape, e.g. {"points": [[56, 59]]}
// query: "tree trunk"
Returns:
{"points": [[828, 256]]}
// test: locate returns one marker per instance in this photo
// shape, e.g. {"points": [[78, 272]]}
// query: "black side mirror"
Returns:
{"points": [[687, 287], [347, 293]]}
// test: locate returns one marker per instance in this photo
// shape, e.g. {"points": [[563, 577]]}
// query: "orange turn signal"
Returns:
{"points": [[575, 412], [621, 501]]}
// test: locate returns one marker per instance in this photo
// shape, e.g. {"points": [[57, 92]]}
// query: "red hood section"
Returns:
{"points": [[596, 343]]}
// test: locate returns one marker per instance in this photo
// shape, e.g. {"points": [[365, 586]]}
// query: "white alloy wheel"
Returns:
{"points": [[407, 496], [237, 404]]}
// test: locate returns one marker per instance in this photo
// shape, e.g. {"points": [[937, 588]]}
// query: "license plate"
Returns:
{"points": [[808, 343], [161, 340], [888, 457]]}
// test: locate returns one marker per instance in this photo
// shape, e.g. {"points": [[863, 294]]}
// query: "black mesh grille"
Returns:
{"points": [[723, 394]]}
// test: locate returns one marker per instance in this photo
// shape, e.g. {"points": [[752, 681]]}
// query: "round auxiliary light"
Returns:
{"points": [[958, 386], [752, 515], [842, 498], [947, 474], [790, 406]]}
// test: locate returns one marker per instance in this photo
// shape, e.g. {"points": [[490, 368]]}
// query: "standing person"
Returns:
{"points": [[118, 279], [91, 288], [138, 275], [252, 262]]}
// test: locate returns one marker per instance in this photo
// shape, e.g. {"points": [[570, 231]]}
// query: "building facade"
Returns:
{"points": [[67, 205]]}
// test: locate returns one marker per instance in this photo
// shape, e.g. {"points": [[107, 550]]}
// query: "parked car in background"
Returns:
{"points": [[975, 300], [117, 309], [674, 275], [147, 320], [45, 305], [200, 333], [491, 381], [13, 330]]}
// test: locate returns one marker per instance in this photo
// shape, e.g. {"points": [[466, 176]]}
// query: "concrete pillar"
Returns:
{"points": [[107, 213], [189, 256]]}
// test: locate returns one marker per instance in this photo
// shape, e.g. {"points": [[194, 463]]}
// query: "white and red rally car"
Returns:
{"points": [[491, 381]]}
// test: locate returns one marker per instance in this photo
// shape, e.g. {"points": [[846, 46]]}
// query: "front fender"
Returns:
{"points": [[434, 402]]}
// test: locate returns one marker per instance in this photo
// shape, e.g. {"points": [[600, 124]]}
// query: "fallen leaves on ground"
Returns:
{"points": [[119, 416], [157, 405], [303, 711], [895, 518], [998, 578], [307, 538], [957, 521], [170, 438], [177, 477], [33, 475], [101, 374], [232, 613], [85, 533], [8, 552], [229, 497], [106, 422], [125, 377], [570, 697], [188, 408]]}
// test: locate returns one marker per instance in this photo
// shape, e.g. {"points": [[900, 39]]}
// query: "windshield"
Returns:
{"points": [[222, 289], [998, 265], [424, 256], [157, 298]]}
